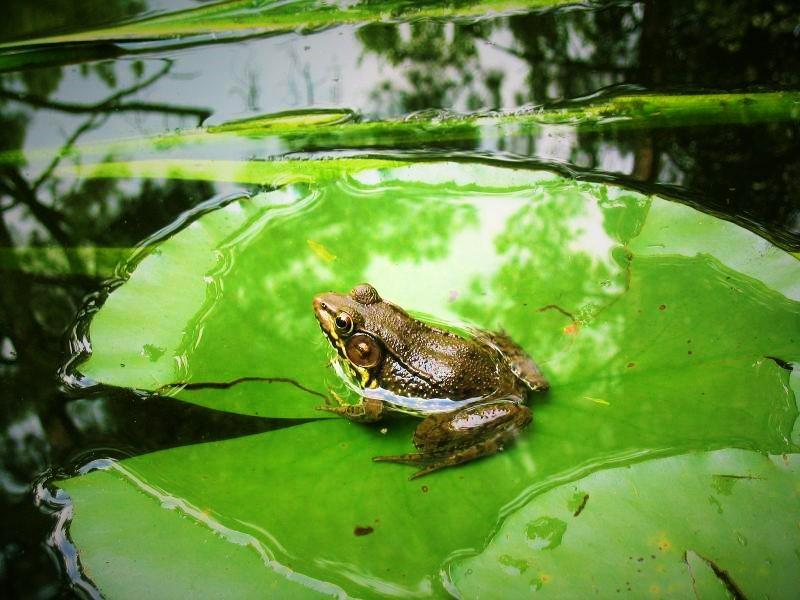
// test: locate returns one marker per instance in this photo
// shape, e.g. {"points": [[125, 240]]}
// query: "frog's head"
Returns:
{"points": [[349, 323]]}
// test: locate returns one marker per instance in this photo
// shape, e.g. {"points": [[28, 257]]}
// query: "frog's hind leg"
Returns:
{"points": [[447, 439], [520, 362]]}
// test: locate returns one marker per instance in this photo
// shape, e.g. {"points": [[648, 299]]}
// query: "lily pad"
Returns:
{"points": [[658, 337], [710, 525]]}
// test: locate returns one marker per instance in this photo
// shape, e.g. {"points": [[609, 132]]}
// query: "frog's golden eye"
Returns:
{"points": [[363, 350], [344, 323]]}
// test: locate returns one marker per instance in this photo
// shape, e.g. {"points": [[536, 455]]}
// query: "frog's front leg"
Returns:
{"points": [[368, 410], [447, 439]]}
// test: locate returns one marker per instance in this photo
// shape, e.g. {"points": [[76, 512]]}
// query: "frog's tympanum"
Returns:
{"points": [[470, 390]]}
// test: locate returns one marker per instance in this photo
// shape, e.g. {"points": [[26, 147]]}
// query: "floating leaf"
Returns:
{"points": [[710, 525], [240, 279], [126, 556], [685, 340]]}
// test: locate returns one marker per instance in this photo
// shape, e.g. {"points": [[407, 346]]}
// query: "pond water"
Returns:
{"points": [[612, 184]]}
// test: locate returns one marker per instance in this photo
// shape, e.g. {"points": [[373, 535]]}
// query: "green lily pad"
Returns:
{"points": [[566, 268], [710, 525], [658, 336], [241, 567]]}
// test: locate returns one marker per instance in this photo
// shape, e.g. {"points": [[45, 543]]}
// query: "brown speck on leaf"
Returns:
{"points": [[359, 531], [662, 307], [689, 352], [581, 506], [424, 489], [631, 365]]}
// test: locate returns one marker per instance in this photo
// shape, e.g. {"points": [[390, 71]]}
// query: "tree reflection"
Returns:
{"points": [[652, 46], [44, 223], [440, 61]]}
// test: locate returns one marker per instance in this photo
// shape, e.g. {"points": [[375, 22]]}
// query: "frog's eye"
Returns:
{"points": [[344, 323], [363, 350]]}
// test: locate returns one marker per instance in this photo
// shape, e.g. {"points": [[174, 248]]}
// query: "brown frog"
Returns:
{"points": [[470, 390]]}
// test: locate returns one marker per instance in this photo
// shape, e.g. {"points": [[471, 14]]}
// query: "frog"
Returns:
{"points": [[469, 389]]}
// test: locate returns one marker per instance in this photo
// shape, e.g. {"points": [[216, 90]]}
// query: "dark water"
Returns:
{"points": [[744, 173]]}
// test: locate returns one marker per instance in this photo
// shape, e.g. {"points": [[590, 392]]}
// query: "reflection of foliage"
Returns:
{"points": [[574, 56], [351, 223], [44, 221], [568, 294], [661, 46], [442, 65], [22, 19]]}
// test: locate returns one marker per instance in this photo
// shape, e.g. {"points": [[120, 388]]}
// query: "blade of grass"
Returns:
{"points": [[337, 129], [269, 17]]}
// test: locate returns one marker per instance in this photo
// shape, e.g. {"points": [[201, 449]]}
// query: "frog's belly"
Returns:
{"points": [[411, 405], [417, 406]]}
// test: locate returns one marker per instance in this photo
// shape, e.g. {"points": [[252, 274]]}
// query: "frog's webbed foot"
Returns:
{"points": [[447, 439], [367, 410], [520, 362]]}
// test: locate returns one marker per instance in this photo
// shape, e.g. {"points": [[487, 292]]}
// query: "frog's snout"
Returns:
{"points": [[323, 304], [325, 309]]}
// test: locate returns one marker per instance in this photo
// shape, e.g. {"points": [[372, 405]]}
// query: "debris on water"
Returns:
{"points": [[321, 251]]}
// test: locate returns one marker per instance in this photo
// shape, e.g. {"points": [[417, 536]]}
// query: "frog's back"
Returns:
{"points": [[429, 362]]}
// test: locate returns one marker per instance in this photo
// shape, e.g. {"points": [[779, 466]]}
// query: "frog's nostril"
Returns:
{"points": [[323, 306]]}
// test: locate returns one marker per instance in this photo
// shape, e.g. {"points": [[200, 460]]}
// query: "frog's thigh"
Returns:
{"points": [[520, 362], [464, 435], [480, 428]]}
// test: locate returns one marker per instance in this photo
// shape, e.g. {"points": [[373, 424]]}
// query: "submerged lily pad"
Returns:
{"points": [[658, 338], [712, 525]]}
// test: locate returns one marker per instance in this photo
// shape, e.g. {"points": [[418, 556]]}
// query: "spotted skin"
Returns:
{"points": [[469, 391]]}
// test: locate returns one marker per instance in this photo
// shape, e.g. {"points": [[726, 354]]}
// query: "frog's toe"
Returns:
{"points": [[430, 468], [415, 458], [427, 462]]}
